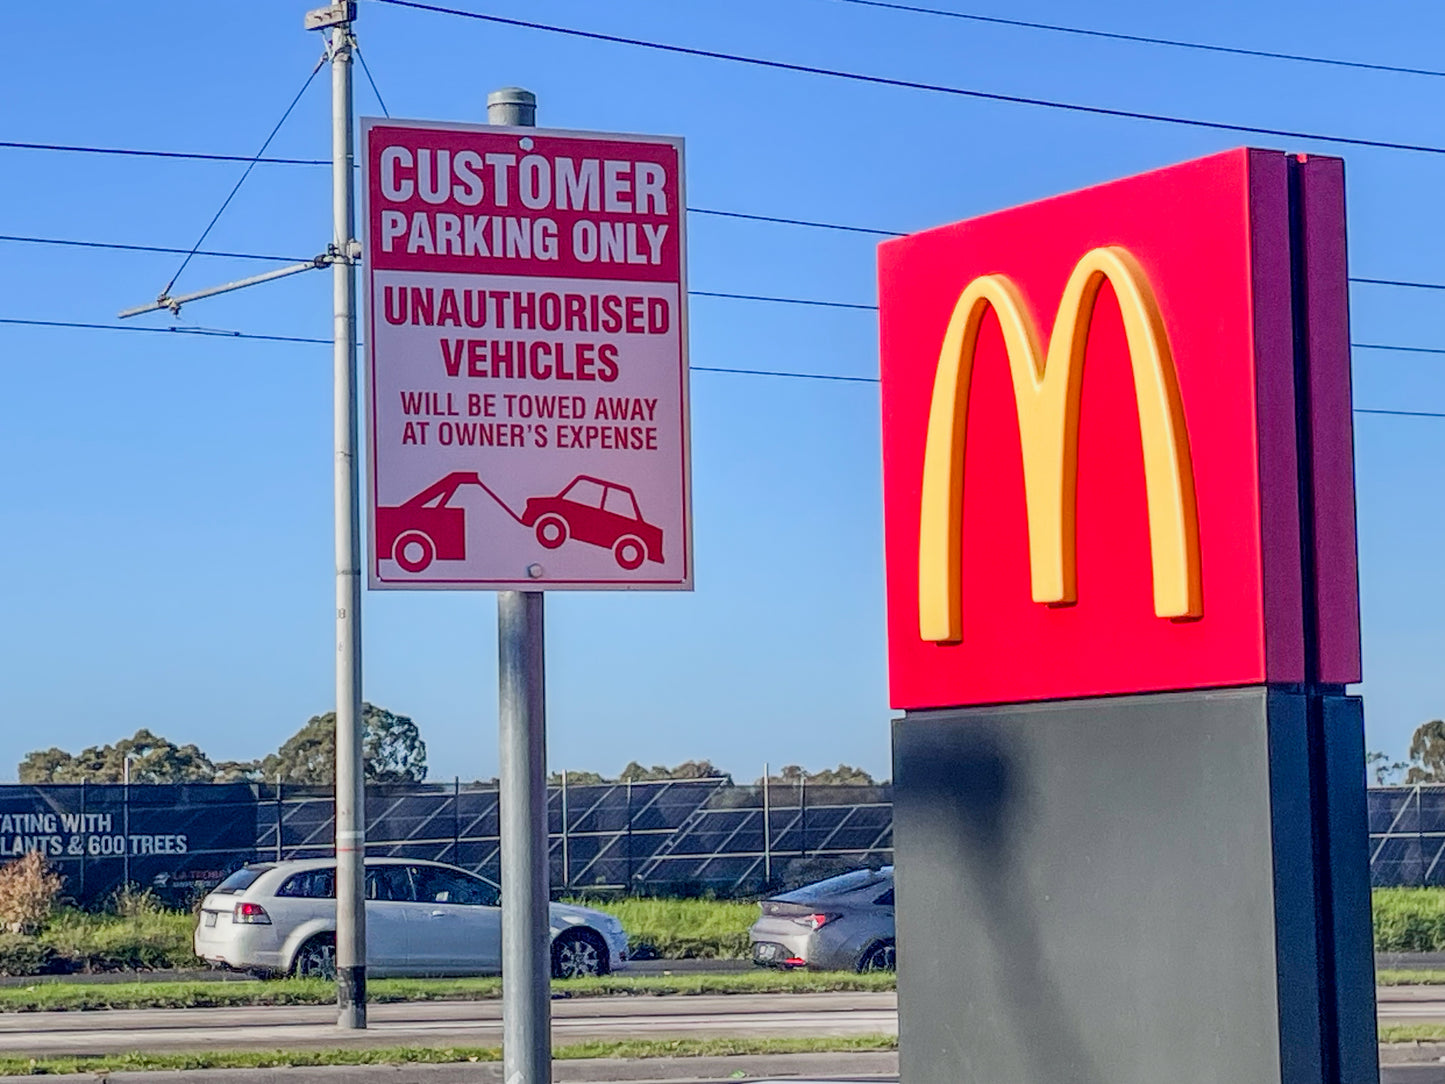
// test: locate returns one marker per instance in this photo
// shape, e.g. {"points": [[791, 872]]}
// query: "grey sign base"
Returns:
{"points": [[1129, 890]]}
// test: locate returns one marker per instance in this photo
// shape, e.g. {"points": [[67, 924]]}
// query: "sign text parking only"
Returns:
{"points": [[527, 359]]}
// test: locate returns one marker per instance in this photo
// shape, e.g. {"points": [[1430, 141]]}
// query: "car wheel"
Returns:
{"points": [[578, 954], [629, 552], [881, 957], [317, 959], [551, 531], [414, 551]]}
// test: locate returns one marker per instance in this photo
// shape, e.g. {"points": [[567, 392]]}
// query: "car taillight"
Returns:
{"points": [[814, 922], [251, 913]]}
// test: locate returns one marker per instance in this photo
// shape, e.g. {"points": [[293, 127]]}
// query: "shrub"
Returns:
{"points": [[147, 941], [131, 902], [22, 955], [29, 889], [1409, 920]]}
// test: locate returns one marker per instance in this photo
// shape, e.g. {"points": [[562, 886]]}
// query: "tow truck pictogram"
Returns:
{"points": [[601, 513]]}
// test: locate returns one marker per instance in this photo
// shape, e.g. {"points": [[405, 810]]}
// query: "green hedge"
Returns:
{"points": [[683, 929], [1409, 919]]}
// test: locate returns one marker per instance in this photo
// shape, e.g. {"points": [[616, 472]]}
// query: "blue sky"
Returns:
{"points": [[169, 551]]}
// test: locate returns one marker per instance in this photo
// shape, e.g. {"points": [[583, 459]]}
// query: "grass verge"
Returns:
{"points": [[60, 996], [1412, 1033], [1405, 977], [251, 1059], [683, 929]]}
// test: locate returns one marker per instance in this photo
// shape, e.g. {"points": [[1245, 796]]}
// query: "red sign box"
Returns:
{"points": [[1173, 544]]}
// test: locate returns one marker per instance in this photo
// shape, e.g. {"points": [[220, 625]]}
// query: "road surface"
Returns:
{"points": [[478, 1023], [445, 1023]]}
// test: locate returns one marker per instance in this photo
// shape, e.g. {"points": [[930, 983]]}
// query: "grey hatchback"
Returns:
{"points": [[842, 924]]}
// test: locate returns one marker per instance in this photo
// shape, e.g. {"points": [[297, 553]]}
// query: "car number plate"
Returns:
{"points": [[209, 919], [765, 951]]}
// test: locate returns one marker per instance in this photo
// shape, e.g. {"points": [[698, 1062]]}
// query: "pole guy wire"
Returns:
{"points": [[242, 179], [366, 70]]}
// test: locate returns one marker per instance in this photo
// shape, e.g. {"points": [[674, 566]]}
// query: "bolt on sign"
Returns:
{"points": [[526, 332], [1091, 456]]}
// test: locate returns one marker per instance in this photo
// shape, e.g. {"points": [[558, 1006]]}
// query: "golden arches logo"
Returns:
{"points": [[1047, 392]]}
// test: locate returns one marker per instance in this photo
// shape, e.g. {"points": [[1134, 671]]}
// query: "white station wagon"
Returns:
{"points": [[422, 918]]}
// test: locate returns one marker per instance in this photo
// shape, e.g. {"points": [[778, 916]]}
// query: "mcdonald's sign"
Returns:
{"points": [[1117, 444]]}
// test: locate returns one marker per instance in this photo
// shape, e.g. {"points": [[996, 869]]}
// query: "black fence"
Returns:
{"points": [[1407, 836], [677, 837]]}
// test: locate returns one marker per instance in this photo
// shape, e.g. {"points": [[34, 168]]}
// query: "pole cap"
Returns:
{"points": [[512, 105]]}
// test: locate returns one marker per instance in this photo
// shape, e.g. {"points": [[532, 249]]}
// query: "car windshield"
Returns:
{"points": [[620, 502], [836, 886], [241, 880], [583, 491]]}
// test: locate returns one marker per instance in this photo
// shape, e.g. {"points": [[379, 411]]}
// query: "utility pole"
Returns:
{"points": [[350, 782], [341, 256], [522, 726]]}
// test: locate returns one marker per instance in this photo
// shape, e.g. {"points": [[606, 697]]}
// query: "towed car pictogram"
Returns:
{"points": [[427, 528]]}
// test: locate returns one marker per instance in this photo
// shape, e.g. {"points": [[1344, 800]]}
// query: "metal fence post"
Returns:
{"points": [[456, 820], [125, 829], [280, 816], [84, 838], [628, 835], [1420, 833], [803, 815], [566, 864], [767, 832]]}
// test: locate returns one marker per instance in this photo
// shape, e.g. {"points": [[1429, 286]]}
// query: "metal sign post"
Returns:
{"points": [[522, 731], [527, 389]]}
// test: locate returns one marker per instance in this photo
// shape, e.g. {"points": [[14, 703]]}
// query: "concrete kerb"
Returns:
{"points": [[862, 1066]]}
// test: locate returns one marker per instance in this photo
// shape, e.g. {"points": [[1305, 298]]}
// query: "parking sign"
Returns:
{"points": [[526, 347]]}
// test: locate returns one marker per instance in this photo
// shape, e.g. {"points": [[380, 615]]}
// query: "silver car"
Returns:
{"points": [[842, 924], [422, 918]]}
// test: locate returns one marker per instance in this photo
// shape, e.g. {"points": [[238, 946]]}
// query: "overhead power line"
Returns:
{"points": [[163, 249], [207, 332], [1400, 282], [1400, 349], [133, 152], [222, 333], [795, 222], [1403, 413], [1145, 39], [912, 84], [817, 302], [193, 156]]}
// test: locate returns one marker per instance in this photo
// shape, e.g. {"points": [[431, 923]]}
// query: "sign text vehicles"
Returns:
{"points": [[1090, 463], [526, 324]]}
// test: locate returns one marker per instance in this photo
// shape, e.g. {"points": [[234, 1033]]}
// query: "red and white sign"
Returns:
{"points": [[526, 332]]}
